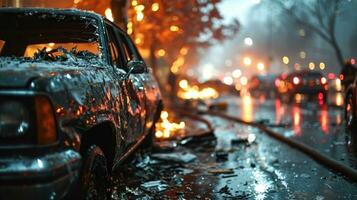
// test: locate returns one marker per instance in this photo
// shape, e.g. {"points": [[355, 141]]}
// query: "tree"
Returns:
{"points": [[170, 29], [319, 16], [120, 9]]}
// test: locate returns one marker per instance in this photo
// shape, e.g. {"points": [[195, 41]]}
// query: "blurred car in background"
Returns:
{"points": [[334, 85], [302, 85], [262, 85], [351, 106]]}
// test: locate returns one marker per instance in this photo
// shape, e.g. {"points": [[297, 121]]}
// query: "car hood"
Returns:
{"points": [[15, 72]]}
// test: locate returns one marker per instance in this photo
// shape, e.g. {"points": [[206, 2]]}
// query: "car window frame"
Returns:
{"points": [[122, 36], [129, 43], [122, 63]]}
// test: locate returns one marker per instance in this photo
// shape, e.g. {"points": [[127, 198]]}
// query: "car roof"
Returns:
{"points": [[67, 11]]}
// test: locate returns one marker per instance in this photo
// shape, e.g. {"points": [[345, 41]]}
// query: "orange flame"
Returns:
{"points": [[194, 92], [165, 128]]}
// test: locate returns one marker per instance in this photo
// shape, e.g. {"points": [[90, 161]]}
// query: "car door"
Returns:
{"points": [[136, 89], [146, 82], [122, 92]]}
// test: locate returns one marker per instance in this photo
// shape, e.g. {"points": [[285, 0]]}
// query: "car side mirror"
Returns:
{"points": [[136, 67]]}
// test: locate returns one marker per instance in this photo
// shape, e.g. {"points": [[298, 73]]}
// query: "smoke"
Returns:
{"points": [[275, 35]]}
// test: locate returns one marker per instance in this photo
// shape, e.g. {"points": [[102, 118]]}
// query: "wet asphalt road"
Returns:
{"points": [[229, 167]]}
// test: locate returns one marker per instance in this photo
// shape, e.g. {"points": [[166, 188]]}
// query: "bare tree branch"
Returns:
{"points": [[321, 19]]}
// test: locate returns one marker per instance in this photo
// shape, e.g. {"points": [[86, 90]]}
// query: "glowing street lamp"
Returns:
{"points": [[285, 60], [260, 66], [247, 61], [228, 80], [248, 41], [243, 80], [322, 65], [302, 54], [236, 73]]}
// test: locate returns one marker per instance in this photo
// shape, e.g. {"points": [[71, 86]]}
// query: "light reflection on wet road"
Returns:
{"points": [[263, 169], [319, 126]]}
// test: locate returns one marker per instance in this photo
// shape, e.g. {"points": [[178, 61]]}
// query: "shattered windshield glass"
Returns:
{"points": [[49, 37]]}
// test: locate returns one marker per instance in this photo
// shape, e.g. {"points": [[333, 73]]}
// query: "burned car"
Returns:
{"points": [[76, 99]]}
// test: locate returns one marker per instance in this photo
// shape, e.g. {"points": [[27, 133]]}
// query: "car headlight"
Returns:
{"points": [[27, 120], [14, 119]]}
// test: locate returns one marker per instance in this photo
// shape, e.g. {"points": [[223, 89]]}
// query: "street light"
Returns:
{"points": [[243, 81], [228, 80], [285, 60], [260, 66], [236, 73], [322, 65], [248, 41], [247, 61], [302, 54], [311, 66]]}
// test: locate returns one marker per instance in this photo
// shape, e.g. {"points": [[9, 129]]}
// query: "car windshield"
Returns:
{"points": [[50, 37]]}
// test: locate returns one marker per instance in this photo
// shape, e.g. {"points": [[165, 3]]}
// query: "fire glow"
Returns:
{"points": [[165, 128], [194, 92]]}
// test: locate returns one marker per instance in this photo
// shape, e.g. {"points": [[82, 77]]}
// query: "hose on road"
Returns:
{"points": [[348, 172]]}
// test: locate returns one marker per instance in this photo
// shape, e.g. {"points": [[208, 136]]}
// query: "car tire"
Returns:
{"points": [[148, 143], [350, 118], [94, 177]]}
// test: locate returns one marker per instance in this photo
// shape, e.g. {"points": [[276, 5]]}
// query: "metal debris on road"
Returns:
{"points": [[225, 190], [221, 171], [251, 138], [241, 140], [154, 186], [221, 156], [175, 157]]}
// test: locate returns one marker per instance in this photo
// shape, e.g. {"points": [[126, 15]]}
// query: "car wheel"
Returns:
{"points": [[148, 142], [94, 180], [350, 117]]}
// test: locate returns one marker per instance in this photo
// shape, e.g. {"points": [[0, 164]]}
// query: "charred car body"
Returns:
{"points": [[76, 98]]}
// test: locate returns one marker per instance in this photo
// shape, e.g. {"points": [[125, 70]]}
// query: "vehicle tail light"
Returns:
{"points": [[46, 126], [296, 80], [320, 96], [341, 77]]}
